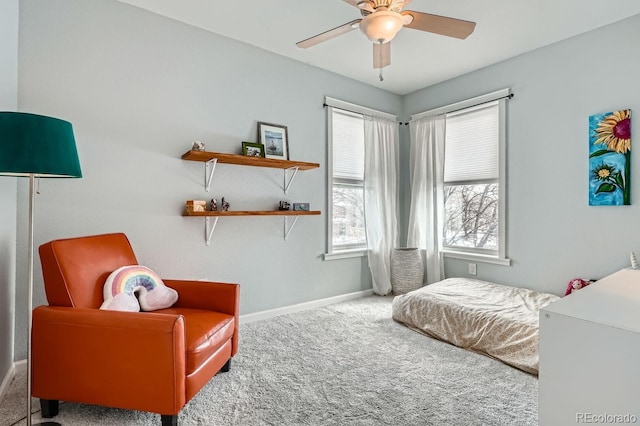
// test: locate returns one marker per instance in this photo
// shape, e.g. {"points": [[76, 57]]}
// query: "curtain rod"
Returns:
{"points": [[509, 96], [324, 105]]}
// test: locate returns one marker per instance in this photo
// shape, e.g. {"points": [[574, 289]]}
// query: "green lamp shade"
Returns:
{"points": [[37, 145]]}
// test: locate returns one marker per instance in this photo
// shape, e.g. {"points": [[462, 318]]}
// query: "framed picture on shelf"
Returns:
{"points": [[252, 149], [301, 207], [275, 140]]}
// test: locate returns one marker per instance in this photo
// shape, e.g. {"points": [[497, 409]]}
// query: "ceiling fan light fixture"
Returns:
{"points": [[382, 26]]}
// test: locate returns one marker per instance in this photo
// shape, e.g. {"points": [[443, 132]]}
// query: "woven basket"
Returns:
{"points": [[407, 270]]}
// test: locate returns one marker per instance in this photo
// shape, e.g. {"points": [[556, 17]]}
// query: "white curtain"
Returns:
{"points": [[427, 175], [380, 197]]}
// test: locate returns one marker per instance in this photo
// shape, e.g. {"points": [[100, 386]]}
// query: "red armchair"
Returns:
{"points": [[148, 361]]}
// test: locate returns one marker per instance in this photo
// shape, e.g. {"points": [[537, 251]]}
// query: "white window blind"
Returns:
{"points": [[472, 145], [348, 145]]}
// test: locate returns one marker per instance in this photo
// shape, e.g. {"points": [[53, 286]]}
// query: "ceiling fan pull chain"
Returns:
{"points": [[381, 67]]}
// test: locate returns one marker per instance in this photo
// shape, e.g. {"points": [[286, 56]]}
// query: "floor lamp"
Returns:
{"points": [[36, 146]]}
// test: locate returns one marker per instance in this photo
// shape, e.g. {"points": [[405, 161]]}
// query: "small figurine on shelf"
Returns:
{"points": [[214, 205], [225, 205], [284, 205], [197, 146]]}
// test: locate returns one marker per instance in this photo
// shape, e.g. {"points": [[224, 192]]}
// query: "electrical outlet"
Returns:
{"points": [[472, 269]]}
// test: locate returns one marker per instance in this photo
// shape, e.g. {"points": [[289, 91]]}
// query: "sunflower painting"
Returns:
{"points": [[610, 159]]}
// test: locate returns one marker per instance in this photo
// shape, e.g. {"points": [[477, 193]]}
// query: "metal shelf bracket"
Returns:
{"points": [[287, 228], [288, 184], [209, 168], [209, 225]]}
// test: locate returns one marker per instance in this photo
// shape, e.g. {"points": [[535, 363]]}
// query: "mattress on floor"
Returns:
{"points": [[496, 320]]}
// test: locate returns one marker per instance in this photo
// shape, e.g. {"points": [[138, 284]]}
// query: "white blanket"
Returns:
{"points": [[496, 320]]}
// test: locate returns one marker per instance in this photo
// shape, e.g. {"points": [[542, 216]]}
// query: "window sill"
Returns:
{"points": [[477, 257], [346, 254]]}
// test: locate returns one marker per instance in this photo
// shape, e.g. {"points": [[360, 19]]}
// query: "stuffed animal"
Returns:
{"points": [[576, 284]]}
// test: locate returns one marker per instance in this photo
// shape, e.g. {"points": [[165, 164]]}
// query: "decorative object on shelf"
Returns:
{"points": [[33, 146], [301, 207], [275, 140], [252, 149], [196, 205], [610, 159], [634, 261], [225, 205], [284, 205], [214, 205], [407, 270], [197, 146]]}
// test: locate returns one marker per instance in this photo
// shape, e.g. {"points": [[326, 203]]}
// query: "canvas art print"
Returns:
{"points": [[610, 159]]}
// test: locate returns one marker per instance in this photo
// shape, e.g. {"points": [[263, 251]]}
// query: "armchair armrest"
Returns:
{"points": [[139, 357], [212, 296]]}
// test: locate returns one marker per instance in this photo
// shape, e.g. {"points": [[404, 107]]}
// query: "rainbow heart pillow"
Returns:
{"points": [[123, 284]]}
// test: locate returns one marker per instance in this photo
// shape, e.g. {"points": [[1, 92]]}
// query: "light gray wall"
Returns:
{"points": [[8, 102], [553, 235], [139, 89]]}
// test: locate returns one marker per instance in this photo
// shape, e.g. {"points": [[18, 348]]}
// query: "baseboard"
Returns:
{"points": [[262, 315], [6, 381], [20, 366], [16, 367]]}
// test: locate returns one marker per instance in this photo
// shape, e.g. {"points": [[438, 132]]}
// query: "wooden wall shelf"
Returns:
{"points": [[254, 213], [211, 218], [210, 159], [242, 160]]}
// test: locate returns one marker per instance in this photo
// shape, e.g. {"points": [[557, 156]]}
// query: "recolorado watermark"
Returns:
{"points": [[591, 418]]}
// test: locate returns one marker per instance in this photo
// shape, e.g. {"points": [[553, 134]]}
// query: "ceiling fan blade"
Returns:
{"points": [[437, 24], [327, 35], [381, 55]]}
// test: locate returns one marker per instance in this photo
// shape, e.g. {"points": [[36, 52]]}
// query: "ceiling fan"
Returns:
{"points": [[381, 21]]}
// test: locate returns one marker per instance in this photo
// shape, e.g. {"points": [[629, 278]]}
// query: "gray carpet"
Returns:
{"points": [[347, 363]]}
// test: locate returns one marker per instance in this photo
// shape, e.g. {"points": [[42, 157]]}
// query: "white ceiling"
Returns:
{"points": [[505, 28]]}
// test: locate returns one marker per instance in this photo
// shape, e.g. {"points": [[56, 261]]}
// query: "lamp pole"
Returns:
{"points": [[32, 201], [32, 197]]}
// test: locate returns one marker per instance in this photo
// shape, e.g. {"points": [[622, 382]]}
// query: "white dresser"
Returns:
{"points": [[590, 354]]}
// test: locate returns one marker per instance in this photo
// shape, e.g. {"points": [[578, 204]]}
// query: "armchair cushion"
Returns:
{"points": [[206, 333], [124, 283]]}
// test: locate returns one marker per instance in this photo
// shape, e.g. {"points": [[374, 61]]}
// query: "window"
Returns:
{"points": [[346, 181], [473, 216]]}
